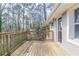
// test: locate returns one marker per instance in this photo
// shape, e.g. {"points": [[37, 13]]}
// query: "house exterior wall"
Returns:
{"points": [[67, 32]]}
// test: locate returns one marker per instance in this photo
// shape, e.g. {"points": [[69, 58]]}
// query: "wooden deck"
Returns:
{"points": [[39, 48]]}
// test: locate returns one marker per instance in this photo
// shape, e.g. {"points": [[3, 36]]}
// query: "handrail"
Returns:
{"points": [[11, 32]]}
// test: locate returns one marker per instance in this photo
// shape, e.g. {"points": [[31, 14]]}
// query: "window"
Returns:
{"points": [[74, 27], [77, 23], [77, 15], [52, 24]]}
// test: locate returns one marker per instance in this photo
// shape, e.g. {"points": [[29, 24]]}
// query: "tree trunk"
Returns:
{"points": [[0, 23], [23, 18], [44, 10]]}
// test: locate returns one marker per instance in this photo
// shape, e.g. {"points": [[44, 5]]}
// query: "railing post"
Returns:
{"points": [[7, 45], [1, 45]]}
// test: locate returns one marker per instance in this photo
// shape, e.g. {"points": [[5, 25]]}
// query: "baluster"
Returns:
{"points": [[3, 45], [9, 42], [7, 45], [13, 38], [0, 44], [17, 39]]}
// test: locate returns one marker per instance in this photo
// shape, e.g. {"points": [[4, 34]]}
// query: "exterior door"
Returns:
{"points": [[60, 30]]}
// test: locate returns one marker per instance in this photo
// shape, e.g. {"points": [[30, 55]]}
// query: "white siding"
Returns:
{"points": [[68, 23], [67, 32]]}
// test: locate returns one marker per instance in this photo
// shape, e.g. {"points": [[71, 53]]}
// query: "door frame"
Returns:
{"points": [[60, 29]]}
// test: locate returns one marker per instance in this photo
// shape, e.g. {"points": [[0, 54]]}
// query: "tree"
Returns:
{"points": [[2, 6], [20, 16], [44, 10]]}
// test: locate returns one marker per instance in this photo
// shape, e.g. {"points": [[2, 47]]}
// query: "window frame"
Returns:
{"points": [[72, 40]]}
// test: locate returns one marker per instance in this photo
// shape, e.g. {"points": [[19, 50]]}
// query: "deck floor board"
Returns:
{"points": [[39, 48]]}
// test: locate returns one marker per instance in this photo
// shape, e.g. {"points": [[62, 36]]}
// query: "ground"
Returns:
{"points": [[39, 48]]}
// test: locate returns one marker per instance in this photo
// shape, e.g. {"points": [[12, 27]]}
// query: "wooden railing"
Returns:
{"points": [[10, 41], [40, 35]]}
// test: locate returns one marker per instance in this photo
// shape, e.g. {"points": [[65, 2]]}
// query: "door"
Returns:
{"points": [[60, 30]]}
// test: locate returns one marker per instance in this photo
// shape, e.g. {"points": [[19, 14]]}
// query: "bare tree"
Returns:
{"points": [[2, 7]]}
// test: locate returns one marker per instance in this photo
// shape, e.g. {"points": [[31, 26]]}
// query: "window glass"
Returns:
{"points": [[77, 31], [77, 16], [77, 25]]}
